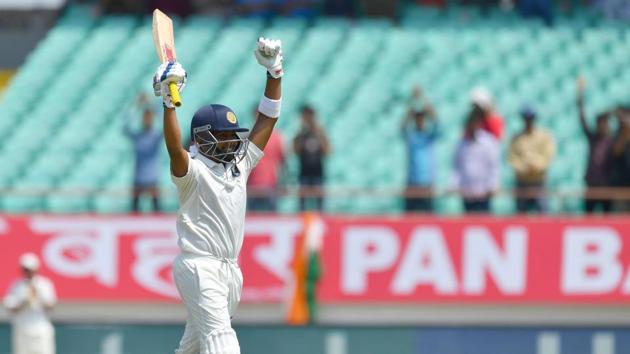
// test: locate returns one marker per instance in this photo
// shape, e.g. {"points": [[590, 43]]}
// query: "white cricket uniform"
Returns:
{"points": [[32, 332], [210, 226]]}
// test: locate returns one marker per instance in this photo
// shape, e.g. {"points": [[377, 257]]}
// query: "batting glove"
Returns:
{"points": [[166, 73], [269, 54]]}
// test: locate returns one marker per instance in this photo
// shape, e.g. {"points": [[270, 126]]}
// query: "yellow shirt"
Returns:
{"points": [[531, 154]]}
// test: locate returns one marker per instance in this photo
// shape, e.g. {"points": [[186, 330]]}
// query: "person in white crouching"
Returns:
{"points": [[28, 300]]}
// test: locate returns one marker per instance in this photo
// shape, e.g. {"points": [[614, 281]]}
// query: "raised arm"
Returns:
{"points": [[426, 103], [173, 140], [128, 115], [261, 132], [581, 85], [166, 74], [404, 123], [412, 104], [268, 53]]}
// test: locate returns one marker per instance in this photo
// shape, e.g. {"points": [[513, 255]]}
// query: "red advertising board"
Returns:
{"points": [[375, 259]]}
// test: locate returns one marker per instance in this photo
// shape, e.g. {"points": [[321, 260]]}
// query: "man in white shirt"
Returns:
{"points": [[28, 300], [476, 175], [211, 186]]}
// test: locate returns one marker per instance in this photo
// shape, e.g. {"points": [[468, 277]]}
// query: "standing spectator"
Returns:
{"points": [[297, 8], [347, 8], [484, 5], [476, 175], [146, 146], [420, 137], [537, 8], [262, 184], [254, 8], [311, 146], [28, 300], [531, 153], [122, 6], [600, 142], [483, 103], [621, 156], [181, 8], [614, 9], [379, 8]]}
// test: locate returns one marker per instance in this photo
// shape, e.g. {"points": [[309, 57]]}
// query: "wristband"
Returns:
{"points": [[270, 108]]}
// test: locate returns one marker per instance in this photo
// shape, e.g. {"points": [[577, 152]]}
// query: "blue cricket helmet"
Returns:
{"points": [[216, 118]]}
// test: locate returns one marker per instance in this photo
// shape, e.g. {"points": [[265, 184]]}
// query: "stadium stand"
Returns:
{"points": [[60, 134]]}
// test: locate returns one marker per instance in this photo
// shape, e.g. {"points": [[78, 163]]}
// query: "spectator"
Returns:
{"points": [[420, 136], [484, 5], [621, 156], [146, 146], [476, 175], [379, 8], [181, 8], [340, 8], [531, 152], [537, 8], [483, 102], [297, 8], [614, 9], [215, 8], [254, 8], [600, 142], [123, 7], [428, 3], [311, 146], [262, 184], [28, 300]]}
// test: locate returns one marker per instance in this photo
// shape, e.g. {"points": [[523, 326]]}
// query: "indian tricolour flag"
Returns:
{"points": [[307, 270]]}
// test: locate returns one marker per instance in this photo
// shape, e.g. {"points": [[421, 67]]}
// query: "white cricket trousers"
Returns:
{"points": [[211, 289], [33, 339]]}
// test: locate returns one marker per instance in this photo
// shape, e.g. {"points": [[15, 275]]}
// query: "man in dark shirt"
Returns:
{"points": [[621, 156], [600, 142], [311, 145]]}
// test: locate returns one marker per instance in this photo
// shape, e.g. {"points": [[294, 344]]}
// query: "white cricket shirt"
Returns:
{"points": [[211, 215], [33, 315]]}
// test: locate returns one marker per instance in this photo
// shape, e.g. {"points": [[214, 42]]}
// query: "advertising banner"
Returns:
{"points": [[365, 259]]}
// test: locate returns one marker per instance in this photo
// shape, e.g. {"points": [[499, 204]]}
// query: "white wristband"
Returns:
{"points": [[270, 108]]}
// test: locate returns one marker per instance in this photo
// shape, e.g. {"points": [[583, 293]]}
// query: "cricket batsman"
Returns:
{"points": [[211, 181]]}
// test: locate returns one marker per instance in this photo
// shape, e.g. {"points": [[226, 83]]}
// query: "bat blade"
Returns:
{"points": [[164, 42], [163, 37]]}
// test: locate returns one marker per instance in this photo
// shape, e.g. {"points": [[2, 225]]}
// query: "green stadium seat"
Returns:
{"points": [[361, 96], [448, 205], [66, 204], [503, 205], [21, 203], [108, 204], [117, 187]]}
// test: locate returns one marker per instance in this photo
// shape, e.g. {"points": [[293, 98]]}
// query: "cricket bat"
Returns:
{"points": [[165, 47]]}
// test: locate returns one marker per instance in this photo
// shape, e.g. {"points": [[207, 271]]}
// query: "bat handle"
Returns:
{"points": [[176, 99]]}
